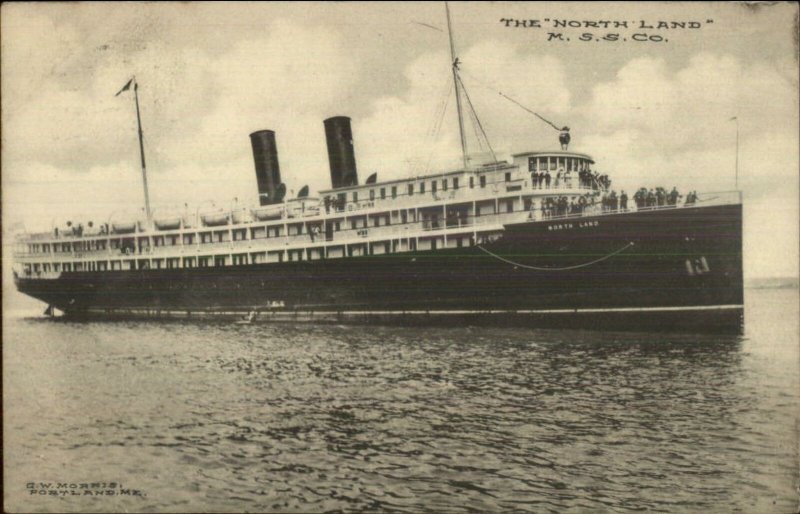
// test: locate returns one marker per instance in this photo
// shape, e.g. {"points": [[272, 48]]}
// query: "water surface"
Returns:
{"points": [[217, 417]]}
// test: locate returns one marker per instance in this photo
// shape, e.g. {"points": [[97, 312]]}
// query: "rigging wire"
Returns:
{"points": [[438, 126], [556, 127], [441, 106], [477, 120], [474, 123]]}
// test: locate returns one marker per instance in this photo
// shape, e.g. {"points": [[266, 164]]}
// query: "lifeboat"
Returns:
{"points": [[168, 223], [271, 212], [123, 227], [214, 219]]}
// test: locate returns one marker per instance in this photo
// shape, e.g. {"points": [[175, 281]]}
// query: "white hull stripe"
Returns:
{"points": [[540, 311], [430, 312]]}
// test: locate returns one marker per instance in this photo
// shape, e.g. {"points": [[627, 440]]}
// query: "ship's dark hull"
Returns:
{"points": [[658, 270]]}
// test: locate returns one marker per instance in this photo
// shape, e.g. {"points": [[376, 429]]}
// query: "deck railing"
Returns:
{"points": [[420, 228]]}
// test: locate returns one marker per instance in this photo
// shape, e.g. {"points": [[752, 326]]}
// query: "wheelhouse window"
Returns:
{"points": [[410, 189]]}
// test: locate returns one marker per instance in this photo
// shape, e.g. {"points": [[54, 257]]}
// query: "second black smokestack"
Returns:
{"points": [[268, 172], [341, 154]]}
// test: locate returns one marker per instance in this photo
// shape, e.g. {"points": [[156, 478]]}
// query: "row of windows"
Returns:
{"points": [[554, 163], [445, 184], [245, 259], [236, 259], [240, 235], [142, 243]]}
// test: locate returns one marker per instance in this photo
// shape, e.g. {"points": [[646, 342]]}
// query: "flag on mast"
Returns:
{"points": [[125, 87]]}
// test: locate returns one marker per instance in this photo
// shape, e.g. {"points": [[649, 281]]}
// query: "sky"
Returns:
{"points": [[651, 113]]}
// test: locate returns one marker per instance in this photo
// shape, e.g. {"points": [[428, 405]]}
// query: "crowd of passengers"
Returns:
{"points": [[660, 197], [561, 178], [611, 202]]}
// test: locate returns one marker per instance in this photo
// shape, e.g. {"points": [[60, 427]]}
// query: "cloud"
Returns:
{"points": [[651, 121], [399, 138], [197, 111]]}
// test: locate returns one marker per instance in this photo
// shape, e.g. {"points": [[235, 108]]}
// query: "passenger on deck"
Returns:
{"points": [[547, 179], [642, 194], [586, 178], [672, 198], [661, 196], [564, 138], [623, 201], [582, 203]]}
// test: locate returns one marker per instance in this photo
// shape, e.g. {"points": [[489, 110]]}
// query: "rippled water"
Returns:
{"points": [[210, 417]]}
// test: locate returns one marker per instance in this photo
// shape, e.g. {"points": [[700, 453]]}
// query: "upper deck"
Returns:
{"points": [[443, 210]]}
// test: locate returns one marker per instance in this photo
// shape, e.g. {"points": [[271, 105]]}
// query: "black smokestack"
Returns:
{"points": [[268, 172], [341, 155]]}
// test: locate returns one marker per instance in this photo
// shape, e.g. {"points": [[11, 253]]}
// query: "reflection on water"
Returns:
{"points": [[318, 418]]}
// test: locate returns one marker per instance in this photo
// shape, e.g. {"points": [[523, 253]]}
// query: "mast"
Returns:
{"points": [[141, 153], [454, 60]]}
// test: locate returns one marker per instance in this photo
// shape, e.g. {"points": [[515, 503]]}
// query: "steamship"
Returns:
{"points": [[531, 241]]}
